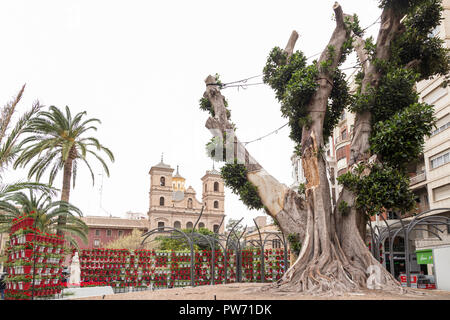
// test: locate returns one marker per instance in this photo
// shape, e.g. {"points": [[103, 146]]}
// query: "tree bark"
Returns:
{"points": [[65, 193]]}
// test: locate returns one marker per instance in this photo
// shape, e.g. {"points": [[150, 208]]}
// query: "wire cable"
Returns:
{"points": [[266, 135]]}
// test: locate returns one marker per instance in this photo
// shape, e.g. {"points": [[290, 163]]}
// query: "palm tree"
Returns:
{"points": [[10, 145], [47, 214], [58, 142]]}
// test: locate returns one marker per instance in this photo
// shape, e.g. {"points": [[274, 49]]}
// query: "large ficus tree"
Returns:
{"points": [[388, 134]]}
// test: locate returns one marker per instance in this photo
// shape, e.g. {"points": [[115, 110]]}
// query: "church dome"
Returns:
{"points": [[178, 182], [177, 176]]}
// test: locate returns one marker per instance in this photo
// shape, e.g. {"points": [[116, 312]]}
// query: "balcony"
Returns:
{"points": [[418, 178], [339, 139]]}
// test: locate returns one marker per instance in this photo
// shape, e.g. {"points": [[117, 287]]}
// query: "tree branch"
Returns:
{"points": [[390, 27], [339, 15], [270, 190], [359, 44], [291, 43]]}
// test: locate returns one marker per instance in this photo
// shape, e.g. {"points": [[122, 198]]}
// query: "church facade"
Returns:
{"points": [[174, 205]]}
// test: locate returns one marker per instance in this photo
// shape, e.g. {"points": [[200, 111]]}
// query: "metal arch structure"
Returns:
{"points": [[199, 216], [405, 227], [237, 246], [226, 242], [285, 246], [193, 238], [261, 243], [173, 230]]}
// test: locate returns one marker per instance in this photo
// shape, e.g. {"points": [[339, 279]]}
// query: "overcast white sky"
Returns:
{"points": [[140, 66]]}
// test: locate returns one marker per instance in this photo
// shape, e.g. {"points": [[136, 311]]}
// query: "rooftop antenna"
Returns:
{"points": [[101, 193]]}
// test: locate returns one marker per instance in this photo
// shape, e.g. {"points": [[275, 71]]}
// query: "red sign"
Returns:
{"points": [[413, 279]]}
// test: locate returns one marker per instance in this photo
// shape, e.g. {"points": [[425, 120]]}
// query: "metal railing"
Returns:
{"points": [[404, 227]]}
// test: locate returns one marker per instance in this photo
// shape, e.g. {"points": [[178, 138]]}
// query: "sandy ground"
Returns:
{"points": [[253, 291]]}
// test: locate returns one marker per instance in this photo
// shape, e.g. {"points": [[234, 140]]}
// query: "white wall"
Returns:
{"points": [[441, 259]]}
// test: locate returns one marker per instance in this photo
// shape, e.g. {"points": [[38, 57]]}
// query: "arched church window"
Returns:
{"points": [[216, 228], [177, 225], [216, 204], [189, 203], [189, 225], [161, 225], [162, 181], [201, 225], [216, 186], [161, 201]]}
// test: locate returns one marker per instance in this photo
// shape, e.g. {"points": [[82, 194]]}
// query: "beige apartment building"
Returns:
{"points": [[432, 178]]}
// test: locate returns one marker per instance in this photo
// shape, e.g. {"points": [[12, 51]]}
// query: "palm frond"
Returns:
{"points": [[7, 112], [10, 148]]}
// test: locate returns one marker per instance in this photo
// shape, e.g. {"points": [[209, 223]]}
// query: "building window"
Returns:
{"points": [[177, 225], [201, 225], [162, 181], [435, 95], [442, 192], [440, 160], [340, 153], [216, 228], [442, 124], [216, 187], [344, 134], [398, 244], [96, 243], [189, 203], [97, 232], [392, 215], [216, 204], [189, 225], [108, 233], [206, 187], [441, 128], [161, 225], [276, 244], [161, 201], [120, 233]]}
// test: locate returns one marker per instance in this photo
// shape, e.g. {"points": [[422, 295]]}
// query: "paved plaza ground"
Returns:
{"points": [[253, 291]]}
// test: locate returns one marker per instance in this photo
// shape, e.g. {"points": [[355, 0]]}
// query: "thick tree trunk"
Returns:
{"points": [[65, 193], [334, 257]]}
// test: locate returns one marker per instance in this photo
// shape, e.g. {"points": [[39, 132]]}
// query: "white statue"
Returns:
{"points": [[374, 280], [75, 271]]}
